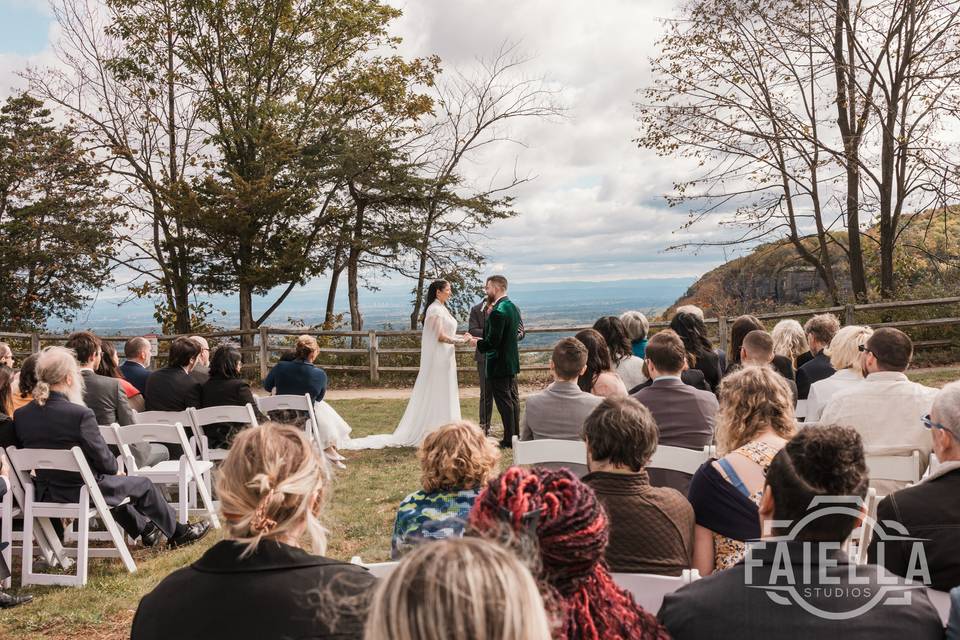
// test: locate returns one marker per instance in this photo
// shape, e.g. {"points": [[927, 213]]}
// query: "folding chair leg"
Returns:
{"points": [[26, 567], [83, 539], [6, 535]]}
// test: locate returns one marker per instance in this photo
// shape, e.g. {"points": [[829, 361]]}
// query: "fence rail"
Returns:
{"points": [[259, 358]]}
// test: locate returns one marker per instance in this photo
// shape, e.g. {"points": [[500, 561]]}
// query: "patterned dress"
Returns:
{"points": [[727, 551], [430, 516]]}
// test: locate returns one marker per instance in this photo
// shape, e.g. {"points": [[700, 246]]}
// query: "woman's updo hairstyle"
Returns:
{"points": [[271, 485], [306, 348]]}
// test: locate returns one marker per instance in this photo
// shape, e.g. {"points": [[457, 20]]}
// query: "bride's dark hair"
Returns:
{"points": [[435, 286]]}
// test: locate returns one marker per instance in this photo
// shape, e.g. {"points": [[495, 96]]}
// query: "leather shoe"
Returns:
{"points": [[191, 534], [8, 601], [150, 536]]}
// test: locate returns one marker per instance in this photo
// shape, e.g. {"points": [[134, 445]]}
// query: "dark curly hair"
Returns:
{"points": [[598, 358], [693, 332], [621, 431], [615, 335], [818, 461]]}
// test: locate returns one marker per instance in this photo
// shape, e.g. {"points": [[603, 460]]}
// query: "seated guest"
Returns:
{"points": [[559, 410], [485, 589], [555, 514], [600, 379], [738, 332], [136, 366], [300, 376], [25, 381], [844, 354], [7, 437], [455, 461], [7, 601], [172, 388], [260, 582], [651, 528], [930, 510], [756, 350], [820, 330], [6, 355], [885, 408], [57, 419], [691, 377], [684, 416], [110, 367], [226, 387], [790, 342], [818, 462], [638, 330], [755, 420], [201, 370], [628, 366], [700, 351]]}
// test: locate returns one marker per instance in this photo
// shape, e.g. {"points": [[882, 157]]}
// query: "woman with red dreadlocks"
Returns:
{"points": [[562, 516]]}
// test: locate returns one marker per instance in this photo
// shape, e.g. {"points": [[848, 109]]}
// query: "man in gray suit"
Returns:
{"points": [[684, 415]]}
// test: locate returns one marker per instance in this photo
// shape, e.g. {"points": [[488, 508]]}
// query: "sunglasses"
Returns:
{"points": [[930, 424], [863, 349]]}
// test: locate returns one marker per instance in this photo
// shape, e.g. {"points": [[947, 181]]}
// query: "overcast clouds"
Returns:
{"points": [[595, 210]]}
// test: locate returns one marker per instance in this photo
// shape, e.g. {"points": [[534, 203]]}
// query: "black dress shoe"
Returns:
{"points": [[506, 445], [7, 601], [191, 534], [150, 536]]}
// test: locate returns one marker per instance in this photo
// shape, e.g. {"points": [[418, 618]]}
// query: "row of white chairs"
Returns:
{"points": [[546, 451]]}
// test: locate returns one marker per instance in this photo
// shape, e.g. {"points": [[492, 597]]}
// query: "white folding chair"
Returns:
{"points": [[109, 435], [200, 418], [379, 570], [294, 403], [48, 546], [528, 452], [941, 602], [188, 473], [896, 468], [649, 590], [7, 513], [24, 461], [864, 532], [680, 458], [800, 411], [171, 418]]}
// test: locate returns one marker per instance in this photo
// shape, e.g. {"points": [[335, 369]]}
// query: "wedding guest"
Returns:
{"points": [[755, 421], [930, 510], [638, 330], [7, 435], [700, 351], [651, 528], [201, 370], [300, 376], [558, 411], [756, 350], [692, 309], [58, 419], [691, 377], [738, 331], [261, 582], [25, 381], [685, 416], [628, 366], [885, 408], [462, 589], [225, 387], [455, 461], [600, 379], [109, 367], [820, 330], [844, 354], [6, 355], [790, 342], [819, 462], [7, 600], [136, 364], [172, 388], [555, 514]]}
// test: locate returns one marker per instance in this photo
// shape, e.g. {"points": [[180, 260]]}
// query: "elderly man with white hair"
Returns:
{"points": [[931, 509], [201, 370]]}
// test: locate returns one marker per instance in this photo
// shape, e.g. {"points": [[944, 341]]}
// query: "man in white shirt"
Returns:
{"points": [[886, 408]]}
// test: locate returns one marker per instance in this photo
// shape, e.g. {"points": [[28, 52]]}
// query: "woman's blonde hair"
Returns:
{"points": [[753, 400], [306, 348], [789, 340], [456, 456], [458, 589], [844, 349], [271, 486]]}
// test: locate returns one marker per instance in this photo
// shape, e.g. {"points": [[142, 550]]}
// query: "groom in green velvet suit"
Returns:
{"points": [[499, 345]]}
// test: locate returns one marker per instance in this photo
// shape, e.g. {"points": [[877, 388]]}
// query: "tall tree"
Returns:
{"points": [[56, 227]]}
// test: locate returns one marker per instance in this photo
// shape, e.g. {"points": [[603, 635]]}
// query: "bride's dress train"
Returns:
{"points": [[435, 400]]}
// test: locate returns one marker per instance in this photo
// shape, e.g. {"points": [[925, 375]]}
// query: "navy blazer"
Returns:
{"points": [[297, 377], [136, 374]]}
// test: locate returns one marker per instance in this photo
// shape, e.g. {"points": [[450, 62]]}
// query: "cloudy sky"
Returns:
{"points": [[595, 210]]}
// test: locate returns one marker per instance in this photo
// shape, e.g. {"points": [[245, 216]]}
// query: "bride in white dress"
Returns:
{"points": [[436, 399]]}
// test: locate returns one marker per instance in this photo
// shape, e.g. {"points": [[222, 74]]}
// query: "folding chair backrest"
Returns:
{"points": [[216, 415], [379, 570], [284, 403], [164, 417], [109, 434], [649, 590], [154, 432], [897, 468], [865, 530], [680, 458], [547, 450]]}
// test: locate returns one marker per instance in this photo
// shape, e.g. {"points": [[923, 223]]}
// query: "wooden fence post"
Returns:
{"points": [[264, 353], [34, 343], [849, 314], [374, 348], [723, 335]]}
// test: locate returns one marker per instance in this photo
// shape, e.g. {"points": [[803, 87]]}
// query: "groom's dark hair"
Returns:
{"points": [[500, 281], [569, 358]]}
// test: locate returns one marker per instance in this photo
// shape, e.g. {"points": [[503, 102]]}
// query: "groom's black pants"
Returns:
{"points": [[507, 397]]}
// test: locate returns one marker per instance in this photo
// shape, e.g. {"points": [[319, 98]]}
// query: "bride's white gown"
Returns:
{"points": [[435, 400]]}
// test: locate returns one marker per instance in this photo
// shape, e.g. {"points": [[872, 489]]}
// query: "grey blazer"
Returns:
{"points": [[557, 412], [106, 398]]}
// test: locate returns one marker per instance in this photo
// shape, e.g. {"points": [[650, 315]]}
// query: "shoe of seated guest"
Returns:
{"points": [[150, 536], [191, 533], [8, 601]]}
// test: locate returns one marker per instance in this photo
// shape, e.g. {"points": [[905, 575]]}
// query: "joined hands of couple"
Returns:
{"points": [[470, 339]]}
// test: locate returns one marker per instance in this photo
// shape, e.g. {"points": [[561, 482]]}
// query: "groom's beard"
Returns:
{"points": [[491, 298]]}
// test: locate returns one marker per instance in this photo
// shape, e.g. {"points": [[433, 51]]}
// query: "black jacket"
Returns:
{"points": [[172, 389], [277, 592], [709, 364], [929, 510], [817, 369], [220, 392], [692, 377]]}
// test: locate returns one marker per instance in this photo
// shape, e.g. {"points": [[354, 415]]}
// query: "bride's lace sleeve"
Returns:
{"points": [[433, 323]]}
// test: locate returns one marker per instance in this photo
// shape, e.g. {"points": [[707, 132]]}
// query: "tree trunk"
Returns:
{"points": [[422, 273], [353, 271], [246, 319], [338, 267]]}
